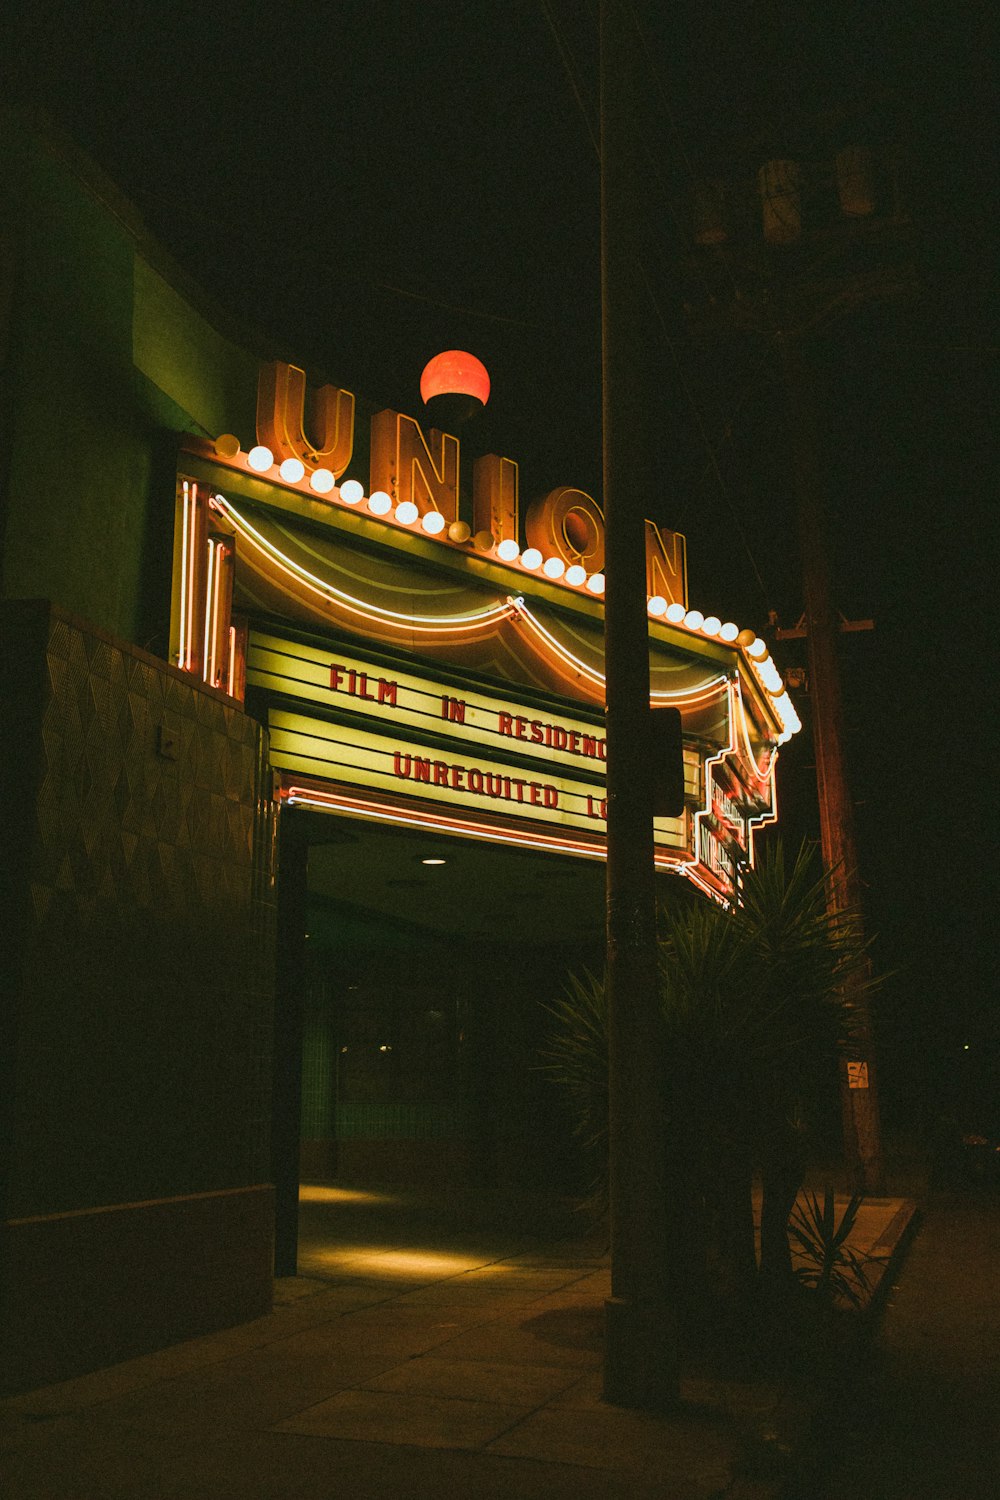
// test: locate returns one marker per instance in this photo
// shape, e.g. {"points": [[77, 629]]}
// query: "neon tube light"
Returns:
{"points": [[690, 697], [217, 553], [231, 677], [514, 607], [297, 796], [182, 654], [703, 692], [211, 612], [523, 613], [189, 536], [741, 718], [759, 820], [434, 624], [712, 760], [754, 822], [763, 820]]}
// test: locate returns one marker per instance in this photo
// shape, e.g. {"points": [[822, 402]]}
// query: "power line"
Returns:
{"points": [[713, 464]]}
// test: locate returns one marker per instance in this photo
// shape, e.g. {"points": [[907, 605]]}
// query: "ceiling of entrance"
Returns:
{"points": [[480, 890]]}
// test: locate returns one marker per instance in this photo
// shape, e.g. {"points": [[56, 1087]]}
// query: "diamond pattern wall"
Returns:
{"points": [[140, 883]]}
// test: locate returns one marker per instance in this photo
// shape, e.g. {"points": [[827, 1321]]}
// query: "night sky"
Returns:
{"points": [[369, 183]]}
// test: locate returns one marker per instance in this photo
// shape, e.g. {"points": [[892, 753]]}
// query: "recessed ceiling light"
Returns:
{"points": [[433, 861]]}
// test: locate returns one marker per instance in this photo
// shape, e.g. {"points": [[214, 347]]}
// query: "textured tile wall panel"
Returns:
{"points": [[146, 956]]}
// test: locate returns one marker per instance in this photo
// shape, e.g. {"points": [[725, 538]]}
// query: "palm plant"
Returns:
{"points": [[576, 1058], [753, 1015], [827, 1264]]}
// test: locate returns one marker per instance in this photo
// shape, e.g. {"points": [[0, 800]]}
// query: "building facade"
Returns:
{"points": [[304, 713]]}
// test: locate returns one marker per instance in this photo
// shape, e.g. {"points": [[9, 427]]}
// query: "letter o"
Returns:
{"points": [[569, 524]]}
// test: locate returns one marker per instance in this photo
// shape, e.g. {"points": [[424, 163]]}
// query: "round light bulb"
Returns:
{"points": [[432, 522], [694, 619], [459, 532], [260, 459], [322, 481], [531, 559], [576, 575], [553, 567], [352, 491], [291, 470], [406, 513], [656, 605], [757, 648], [675, 613], [712, 625], [729, 631], [380, 504], [508, 550], [483, 541], [227, 445], [595, 583]]}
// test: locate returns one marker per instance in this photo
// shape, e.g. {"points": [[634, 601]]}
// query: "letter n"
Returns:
{"points": [[406, 467], [494, 497], [666, 565]]}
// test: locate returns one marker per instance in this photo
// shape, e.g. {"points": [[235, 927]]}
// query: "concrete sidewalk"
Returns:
{"points": [[435, 1368]]}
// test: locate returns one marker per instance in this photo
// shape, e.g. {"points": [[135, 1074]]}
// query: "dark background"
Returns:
{"points": [[369, 183]]}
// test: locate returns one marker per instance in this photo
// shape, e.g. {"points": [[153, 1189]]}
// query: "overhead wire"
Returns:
{"points": [[713, 465]]}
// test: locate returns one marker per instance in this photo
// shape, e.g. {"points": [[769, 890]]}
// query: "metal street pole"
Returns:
{"points": [[641, 1362]]}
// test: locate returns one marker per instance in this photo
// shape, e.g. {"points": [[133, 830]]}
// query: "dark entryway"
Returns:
{"points": [[412, 997]]}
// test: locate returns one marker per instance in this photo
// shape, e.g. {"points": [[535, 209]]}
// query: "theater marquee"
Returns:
{"points": [[425, 655]]}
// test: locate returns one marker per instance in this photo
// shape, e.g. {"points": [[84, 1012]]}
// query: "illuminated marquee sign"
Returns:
{"points": [[293, 536], [395, 719], [415, 480], [344, 680], [418, 474]]}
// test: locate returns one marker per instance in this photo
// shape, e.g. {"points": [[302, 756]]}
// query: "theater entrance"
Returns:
{"points": [[414, 971]]}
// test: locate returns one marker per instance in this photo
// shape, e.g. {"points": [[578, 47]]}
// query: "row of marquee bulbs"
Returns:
{"points": [[352, 492]]}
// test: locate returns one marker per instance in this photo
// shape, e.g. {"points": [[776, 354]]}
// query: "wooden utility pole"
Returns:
{"points": [[859, 1095], [795, 277], [641, 1362]]}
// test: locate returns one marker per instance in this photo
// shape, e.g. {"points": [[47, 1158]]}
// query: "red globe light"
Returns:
{"points": [[455, 373]]}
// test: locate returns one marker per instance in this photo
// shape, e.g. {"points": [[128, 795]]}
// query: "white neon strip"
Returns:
{"points": [[209, 656], [712, 760], [220, 558], [742, 720], [182, 644], [691, 872], [712, 688], [231, 678], [189, 573], [453, 624], [381, 812], [434, 624], [567, 657], [754, 822], [700, 693], [762, 820]]}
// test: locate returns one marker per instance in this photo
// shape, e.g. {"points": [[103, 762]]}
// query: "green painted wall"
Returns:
{"points": [[104, 364]]}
